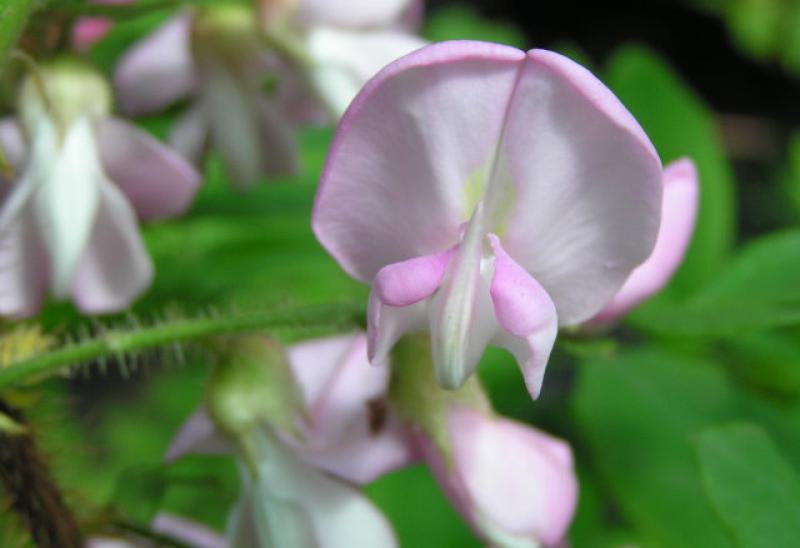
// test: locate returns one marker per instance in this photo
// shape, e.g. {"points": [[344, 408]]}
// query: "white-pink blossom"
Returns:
{"points": [[69, 223], [488, 195]]}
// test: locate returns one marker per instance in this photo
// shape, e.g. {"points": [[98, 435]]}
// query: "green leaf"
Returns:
{"points": [[139, 493], [636, 413], [792, 181], [637, 416], [464, 23], [754, 23], [419, 511], [766, 361], [757, 290], [14, 16], [679, 124], [752, 486]]}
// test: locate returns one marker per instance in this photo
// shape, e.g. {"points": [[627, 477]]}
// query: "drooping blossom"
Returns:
{"points": [[513, 484], [299, 487], [321, 53], [489, 195], [678, 215], [68, 223]]}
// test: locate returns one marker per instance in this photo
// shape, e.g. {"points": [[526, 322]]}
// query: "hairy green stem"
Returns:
{"points": [[14, 15], [122, 341], [123, 11]]}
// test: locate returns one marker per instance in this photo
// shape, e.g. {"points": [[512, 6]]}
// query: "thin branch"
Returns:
{"points": [[122, 11]]}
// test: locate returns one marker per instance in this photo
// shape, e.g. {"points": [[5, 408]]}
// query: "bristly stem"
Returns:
{"points": [[121, 11], [121, 341], [33, 493]]}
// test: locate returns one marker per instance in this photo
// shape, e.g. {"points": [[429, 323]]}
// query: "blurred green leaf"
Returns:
{"points": [[769, 362], [766, 269], [679, 124], [636, 413], [139, 493], [752, 486], [718, 319], [792, 180], [594, 525], [14, 16], [768, 30], [421, 515], [753, 24], [465, 23], [757, 290]]}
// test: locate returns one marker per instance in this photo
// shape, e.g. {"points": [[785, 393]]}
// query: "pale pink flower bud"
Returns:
{"points": [[515, 485]]}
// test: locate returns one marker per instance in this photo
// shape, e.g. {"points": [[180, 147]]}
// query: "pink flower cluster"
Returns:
{"points": [[513, 484], [81, 180]]}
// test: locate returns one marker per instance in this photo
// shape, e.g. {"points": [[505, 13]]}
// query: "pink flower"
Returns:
{"points": [[489, 195], [678, 215], [69, 223], [302, 480], [514, 484], [325, 52], [90, 30]]}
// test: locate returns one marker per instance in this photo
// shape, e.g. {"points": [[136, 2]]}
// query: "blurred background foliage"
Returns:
{"points": [[685, 420]]}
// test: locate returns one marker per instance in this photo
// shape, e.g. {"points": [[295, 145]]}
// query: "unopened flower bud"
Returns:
{"points": [[252, 387]]}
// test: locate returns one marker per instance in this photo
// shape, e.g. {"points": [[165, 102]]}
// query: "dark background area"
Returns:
{"points": [[697, 43]]}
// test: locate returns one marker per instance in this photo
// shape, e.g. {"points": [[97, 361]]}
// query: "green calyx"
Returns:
{"points": [[417, 397], [63, 90], [251, 388], [228, 32]]}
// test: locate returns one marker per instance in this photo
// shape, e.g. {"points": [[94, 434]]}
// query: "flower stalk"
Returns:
{"points": [[122, 341]]}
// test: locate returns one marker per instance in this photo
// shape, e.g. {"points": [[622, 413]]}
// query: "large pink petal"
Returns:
{"points": [[515, 485], [115, 267], [526, 315], [406, 163], [350, 13], [156, 180], [156, 71], [569, 179], [585, 185], [678, 214]]}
